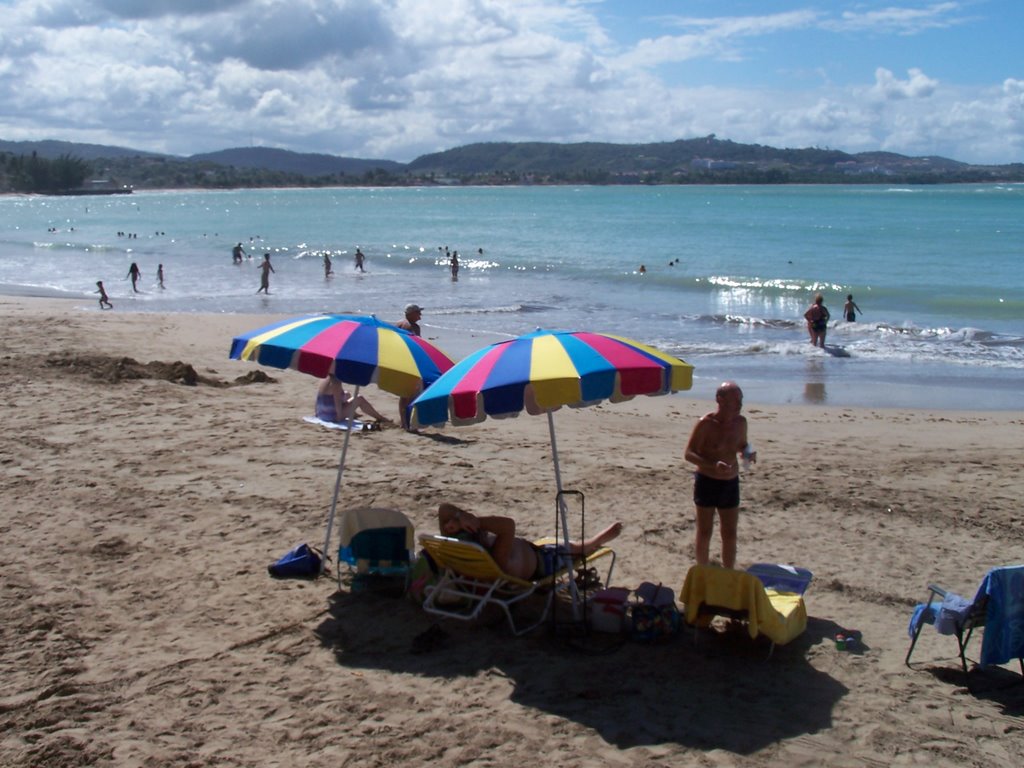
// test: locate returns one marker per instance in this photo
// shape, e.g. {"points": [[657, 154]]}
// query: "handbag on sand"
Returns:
{"points": [[300, 562], [656, 616]]}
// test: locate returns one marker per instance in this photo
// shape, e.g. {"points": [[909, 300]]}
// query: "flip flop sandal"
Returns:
{"points": [[587, 578]]}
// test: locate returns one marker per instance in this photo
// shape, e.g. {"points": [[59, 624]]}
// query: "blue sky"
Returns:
{"points": [[398, 78]]}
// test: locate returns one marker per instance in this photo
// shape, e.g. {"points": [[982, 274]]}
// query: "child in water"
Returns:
{"points": [[850, 309], [104, 302]]}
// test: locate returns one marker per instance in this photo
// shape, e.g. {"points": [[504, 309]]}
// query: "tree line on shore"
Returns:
{"points": [[694, 161]]}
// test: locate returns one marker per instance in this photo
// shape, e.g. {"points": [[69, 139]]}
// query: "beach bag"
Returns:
{"points": [[300, 562], [422, 574], [652, 623], [655, 617]]}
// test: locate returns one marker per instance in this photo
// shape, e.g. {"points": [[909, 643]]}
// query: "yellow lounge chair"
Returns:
{"points": [[711, 591], [471, 580]]}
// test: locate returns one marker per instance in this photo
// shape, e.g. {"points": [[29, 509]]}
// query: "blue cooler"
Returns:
{"points": [[782, 578]]}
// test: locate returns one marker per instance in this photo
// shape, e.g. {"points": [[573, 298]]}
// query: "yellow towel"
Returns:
{"points": [[780, 616]]}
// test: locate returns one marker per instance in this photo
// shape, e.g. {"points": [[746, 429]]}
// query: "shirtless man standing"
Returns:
{"points": [[713, 446], [410, 323], [515, 556]]}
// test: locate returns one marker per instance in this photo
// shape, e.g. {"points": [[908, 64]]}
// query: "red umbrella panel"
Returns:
{"points": [[542, 371], [356, 349]]}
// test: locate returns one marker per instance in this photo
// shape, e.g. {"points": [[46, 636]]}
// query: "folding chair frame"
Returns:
{"points": [[465, 596], [975, 618], [706, 611]]}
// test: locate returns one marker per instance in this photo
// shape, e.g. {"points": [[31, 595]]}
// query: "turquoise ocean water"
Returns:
{"points": [[937, 270]]}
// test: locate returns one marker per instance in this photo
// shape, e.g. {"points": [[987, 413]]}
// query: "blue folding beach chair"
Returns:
{"points": [[997, 609], [377, 545]]}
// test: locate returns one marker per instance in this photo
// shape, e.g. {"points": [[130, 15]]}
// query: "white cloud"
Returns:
{"points": [[398, 78], [901, 21], [917, 85], [718, 37]]}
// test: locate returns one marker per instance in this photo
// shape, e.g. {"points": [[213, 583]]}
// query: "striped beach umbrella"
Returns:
{"points": [[543, 371], [357, 350]]}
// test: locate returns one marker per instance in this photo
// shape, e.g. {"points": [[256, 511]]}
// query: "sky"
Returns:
{"points": [[395, 79]]}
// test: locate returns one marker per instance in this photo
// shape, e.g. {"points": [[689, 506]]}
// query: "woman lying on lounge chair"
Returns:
{"points": [[514, 555]]}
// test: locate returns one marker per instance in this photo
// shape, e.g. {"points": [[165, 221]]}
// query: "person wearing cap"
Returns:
{"points": [[410, 323]]}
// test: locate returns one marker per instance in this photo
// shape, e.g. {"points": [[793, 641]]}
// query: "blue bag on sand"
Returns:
{"points": [[301, 562]]}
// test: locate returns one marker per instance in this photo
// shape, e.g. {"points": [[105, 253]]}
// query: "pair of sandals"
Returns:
{"points": [[588, 578]]}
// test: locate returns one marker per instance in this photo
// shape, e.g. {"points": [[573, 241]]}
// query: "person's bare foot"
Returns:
{"points": [[609, 533]]}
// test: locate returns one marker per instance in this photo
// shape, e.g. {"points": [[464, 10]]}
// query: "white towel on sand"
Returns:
{"points": [[358, 426]]}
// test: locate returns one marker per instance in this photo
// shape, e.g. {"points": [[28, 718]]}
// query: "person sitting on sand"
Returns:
{"points": [[514, 555], [336, 405]]}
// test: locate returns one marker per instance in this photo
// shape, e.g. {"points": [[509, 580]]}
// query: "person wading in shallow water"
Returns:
{"points": [[817, 316], [265, 270], [135, 274]]}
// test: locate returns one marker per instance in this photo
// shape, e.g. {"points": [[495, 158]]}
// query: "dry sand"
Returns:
{"points": [[139, 626]]}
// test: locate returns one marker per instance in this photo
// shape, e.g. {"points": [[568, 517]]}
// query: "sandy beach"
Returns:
{"points": [[139, 626]]}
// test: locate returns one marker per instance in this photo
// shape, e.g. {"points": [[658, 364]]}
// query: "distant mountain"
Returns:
{"points": [[931, 161], [53, 149], [541, 157], [270, 159], [682, 156], [703, 160]]}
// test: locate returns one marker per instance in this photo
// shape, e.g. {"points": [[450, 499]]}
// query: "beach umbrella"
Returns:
{"points": [[356, 349], [542, 371]]}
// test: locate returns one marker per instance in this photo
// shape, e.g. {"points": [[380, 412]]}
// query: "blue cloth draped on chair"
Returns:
{"points": [[1004, 620], [997, 606]]}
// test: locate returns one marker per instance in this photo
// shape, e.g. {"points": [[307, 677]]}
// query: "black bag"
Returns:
{"points": [[301, 562]]}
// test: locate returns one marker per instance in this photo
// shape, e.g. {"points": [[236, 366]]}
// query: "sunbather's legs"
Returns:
{"points": [[362, 404], [589, 546]]}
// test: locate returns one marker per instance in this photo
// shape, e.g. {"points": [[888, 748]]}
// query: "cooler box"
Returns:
{"points": [[782, 578], [608, 609]]}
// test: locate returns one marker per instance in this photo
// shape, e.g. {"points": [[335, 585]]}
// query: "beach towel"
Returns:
{"points": [[780, 616], [952, 613], [1004, 620], [358, 426]]}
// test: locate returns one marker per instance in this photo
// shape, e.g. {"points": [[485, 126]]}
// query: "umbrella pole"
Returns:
{"points": [[337, 481], [563, 513]]}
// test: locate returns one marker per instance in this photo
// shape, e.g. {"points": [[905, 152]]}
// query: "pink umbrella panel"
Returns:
{"points": [[542, 371], [357, 350]]}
